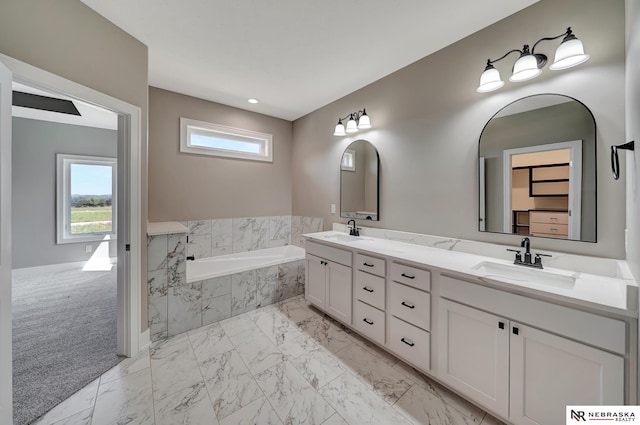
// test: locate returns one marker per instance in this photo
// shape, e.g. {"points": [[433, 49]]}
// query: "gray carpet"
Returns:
{"points": [[64, 336]]}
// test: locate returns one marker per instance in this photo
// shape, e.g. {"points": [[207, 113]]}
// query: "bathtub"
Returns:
{"points": [[211, 267]]}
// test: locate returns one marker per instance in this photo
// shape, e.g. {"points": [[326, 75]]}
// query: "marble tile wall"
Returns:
{"points": [[210, 238]]}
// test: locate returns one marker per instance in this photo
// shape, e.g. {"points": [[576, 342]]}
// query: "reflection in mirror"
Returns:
{"points": [[359, 177], [537, 166]]}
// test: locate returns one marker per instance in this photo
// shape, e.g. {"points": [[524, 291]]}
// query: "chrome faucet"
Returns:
{"points": [[526, 244], [353, 230]]}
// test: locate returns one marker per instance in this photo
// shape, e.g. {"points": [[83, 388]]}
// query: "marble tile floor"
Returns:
{"points": [[283, 364]]}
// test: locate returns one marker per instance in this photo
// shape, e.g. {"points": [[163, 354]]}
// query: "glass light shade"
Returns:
{"points": [[525, 68], [364, 122], [339, 131], [352, 126], [490, 81], [569, 53]]}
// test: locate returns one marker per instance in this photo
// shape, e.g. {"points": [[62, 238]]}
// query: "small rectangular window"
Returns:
{"points": [[204, 138], [86, 201]]}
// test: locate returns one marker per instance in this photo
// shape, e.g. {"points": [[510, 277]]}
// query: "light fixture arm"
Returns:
{"points": [[490, 62], [568, 34], [356, 115]]}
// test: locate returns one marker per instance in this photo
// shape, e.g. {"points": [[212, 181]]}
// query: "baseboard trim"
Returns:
{"points": [[145, 340], [48, 268]]}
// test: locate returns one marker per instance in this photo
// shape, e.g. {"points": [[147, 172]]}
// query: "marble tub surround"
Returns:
{"points": [[214, 237], [166, 276], [602, 294], [233, 373], [608, 267], [177, 304], [177, 309]]}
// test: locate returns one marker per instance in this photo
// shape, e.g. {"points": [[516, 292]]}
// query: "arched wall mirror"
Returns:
{"points": [[359, 178], [537, 169]]}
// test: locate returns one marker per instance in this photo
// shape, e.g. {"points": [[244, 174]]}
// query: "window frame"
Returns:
{"points": [[63, 197], [189, 126]]}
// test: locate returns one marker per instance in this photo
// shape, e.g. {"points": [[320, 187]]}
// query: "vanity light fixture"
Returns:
{"points": [[357, 121], [529, 65]]}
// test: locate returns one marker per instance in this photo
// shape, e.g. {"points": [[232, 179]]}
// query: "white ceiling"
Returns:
{"points": [[295, 56]]}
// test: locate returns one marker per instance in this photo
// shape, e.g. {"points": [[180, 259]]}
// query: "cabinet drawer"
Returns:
{"points": [[549, 217], [550, 229], [369, 321], [410, 304], [370, 264], [410, 342], [330, 253], [370, 289], [411, 276]]}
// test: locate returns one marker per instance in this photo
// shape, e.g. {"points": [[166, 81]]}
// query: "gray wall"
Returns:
{"points": [[559, 123], [35, 145], [631, 169], [427, 119], [69, 39], [189, 187]]}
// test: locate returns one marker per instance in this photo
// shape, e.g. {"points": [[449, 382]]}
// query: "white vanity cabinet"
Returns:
{"points": [[525, 372], [328, 280]]}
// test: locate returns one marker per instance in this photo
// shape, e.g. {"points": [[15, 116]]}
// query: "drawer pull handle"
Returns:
{"points": [[367, 264], [553, 218], [407, 305], [408, 342], [553, 229], [367, 289], [407, 276], [367, 321]]}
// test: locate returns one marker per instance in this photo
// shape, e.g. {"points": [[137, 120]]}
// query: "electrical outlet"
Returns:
{"points": [[333, 208], [88, 248]]}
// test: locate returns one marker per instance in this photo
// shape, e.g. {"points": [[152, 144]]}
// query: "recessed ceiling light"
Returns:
{"points": [[253, 100]]}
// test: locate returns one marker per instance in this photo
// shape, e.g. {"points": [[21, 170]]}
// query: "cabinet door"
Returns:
{"points": [[339, 294], [549, 372], [315, 280], [474, 354]]}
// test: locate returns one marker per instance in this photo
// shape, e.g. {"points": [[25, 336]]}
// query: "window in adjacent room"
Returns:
{"points": [[204, 138], [86, 198]]}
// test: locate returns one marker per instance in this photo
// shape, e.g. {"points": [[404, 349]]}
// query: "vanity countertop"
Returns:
{"points": [[600, 293], [166, 228]]}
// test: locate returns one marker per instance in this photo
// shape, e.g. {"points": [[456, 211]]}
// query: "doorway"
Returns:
{"points": [[64, 266], [128, 241]]}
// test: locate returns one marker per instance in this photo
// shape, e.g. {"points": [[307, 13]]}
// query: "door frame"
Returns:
{"points": [[6, 372], [575, 182], [130, 224]]}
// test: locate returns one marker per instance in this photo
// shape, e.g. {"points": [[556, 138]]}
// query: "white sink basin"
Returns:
{"points": [[524, 274]]}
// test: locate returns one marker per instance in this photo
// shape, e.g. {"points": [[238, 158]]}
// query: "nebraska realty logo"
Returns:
{"points": [[578, 414]]}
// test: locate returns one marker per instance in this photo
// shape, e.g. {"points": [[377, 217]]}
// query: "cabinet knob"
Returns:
{"points": [[367, 321], [516, 331], [501, 325]]}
